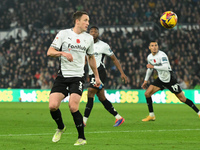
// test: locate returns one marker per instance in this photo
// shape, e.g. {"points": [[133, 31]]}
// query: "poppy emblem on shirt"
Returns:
{"points": [[56, 37], [78, 41], [154, 60]]}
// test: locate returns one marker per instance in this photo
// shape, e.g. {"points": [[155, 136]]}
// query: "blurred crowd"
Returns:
{"points": [[57, 13], [24, 63]]}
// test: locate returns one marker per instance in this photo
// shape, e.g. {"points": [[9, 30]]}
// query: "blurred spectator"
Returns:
{"points": [[2, 59]]}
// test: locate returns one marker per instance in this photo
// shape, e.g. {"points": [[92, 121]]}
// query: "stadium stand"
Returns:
{"points": [[23, 59]]}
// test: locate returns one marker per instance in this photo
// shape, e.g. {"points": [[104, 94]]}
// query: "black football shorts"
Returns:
{"points": [[68, 85], [172, 85]]}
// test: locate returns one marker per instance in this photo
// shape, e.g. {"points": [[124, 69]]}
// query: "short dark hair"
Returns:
{"points": [[153, 41], [95, 27], [78, 15]]}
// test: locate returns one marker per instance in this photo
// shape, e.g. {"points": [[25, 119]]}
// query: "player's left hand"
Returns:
{"points": [[124, 78], [150, 66]]}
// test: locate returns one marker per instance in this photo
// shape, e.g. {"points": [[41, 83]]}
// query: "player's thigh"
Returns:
{"points": [[76, 86], [55, 100], [74, 101], [151, 90], [60, 86], [101, 95], [92, 91]]}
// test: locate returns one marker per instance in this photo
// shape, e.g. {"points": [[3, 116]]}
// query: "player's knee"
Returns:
{"points": [[91, 92], [182, 99], [147, 94], [101, 95], [53, 107], [73, 108], [101, 98]]}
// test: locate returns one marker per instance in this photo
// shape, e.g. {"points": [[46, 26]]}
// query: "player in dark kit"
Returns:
{"points": [[158, 60], [101, 49], [71, 46]]}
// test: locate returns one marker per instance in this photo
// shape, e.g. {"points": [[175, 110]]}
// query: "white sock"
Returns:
{"points": [[85, 119], [198, 113], [151, 114], [118, 116]]}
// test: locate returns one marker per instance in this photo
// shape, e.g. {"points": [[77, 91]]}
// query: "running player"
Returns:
{"points": [[71, 46], [100, 50], [158, 60]]}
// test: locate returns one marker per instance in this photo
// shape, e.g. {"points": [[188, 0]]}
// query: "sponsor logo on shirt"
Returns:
{"points": [[70, 46], [164, 59]]}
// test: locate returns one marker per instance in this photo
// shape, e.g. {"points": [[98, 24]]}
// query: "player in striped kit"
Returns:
{"points": [[101, 49], [158, 60], [71, 46]]}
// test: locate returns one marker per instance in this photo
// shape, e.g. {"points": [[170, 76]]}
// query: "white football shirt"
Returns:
{"points": [[78, 45], [161, 64], [100, 50]]}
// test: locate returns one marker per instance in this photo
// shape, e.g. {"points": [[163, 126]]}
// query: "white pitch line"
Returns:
{"points": [[96, 132], [146, 131]]}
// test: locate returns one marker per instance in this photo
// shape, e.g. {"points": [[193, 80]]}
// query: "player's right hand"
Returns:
{"points": [[97, 82], [150, 66], [144, 85], [68, 56]]}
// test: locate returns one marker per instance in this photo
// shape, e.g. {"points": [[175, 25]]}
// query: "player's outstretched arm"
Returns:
{"points": [[54, 53], [118, 65]]}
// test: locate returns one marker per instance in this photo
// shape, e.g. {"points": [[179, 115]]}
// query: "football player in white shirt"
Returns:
{"points": [[158, 60], [101, 49], [71, 46]]}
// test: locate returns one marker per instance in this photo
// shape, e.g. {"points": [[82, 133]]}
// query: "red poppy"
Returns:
{"points": [[78, 41]]}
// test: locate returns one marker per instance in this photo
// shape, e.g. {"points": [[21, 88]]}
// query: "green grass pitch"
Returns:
{"points": [[29, 126]]}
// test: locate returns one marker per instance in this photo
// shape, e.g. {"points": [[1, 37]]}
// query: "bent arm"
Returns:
{"points": [[148, 74], [53, 52], [163, 67]]}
